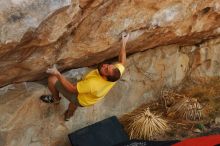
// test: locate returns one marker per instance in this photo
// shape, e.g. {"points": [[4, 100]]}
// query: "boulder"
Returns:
{"points": [[88, 32]]}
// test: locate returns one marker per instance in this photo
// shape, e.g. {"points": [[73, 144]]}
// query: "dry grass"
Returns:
{"points": [[182, 106], [142, 124]]}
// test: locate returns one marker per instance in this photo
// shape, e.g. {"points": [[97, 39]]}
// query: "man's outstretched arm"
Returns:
{"points": [[122, 52]]}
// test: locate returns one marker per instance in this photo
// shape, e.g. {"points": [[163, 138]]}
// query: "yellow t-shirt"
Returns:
{"points": [[94, 87]]}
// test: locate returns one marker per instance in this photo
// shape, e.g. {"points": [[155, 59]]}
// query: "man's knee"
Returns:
{"points": [[52, 80]]}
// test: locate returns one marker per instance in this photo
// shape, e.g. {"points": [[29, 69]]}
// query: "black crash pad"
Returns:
{"points": [[104, 133]]}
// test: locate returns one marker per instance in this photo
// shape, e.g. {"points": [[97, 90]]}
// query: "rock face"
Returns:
{"points": [[25, 120], [17, 16], [88, 31], [176, 41]]}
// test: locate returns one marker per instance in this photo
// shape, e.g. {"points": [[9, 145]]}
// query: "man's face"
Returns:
{"points": [[106, 69]]}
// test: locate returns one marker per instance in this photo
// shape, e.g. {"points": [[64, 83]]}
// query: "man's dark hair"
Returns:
{"points": [[99, 69], [112, 78], [116, 75]]}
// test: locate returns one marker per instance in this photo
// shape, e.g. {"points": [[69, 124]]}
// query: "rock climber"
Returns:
{"points": [[91, 89]]}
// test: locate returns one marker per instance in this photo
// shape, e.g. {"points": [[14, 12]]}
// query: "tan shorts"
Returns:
{"points": [[68, 95]]}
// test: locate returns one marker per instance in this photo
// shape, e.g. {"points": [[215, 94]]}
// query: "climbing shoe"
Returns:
{"points": [[49, 99]]}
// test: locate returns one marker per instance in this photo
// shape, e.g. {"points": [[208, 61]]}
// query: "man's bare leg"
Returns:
{"points": [[51, 85], [70, 111]]}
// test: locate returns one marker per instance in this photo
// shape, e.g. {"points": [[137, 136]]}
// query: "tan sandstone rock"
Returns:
{"points": [[75, 37], [175, 40]]}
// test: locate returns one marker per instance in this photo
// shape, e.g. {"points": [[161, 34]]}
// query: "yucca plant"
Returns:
{"points": [[187, 109], [142, 124]]}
